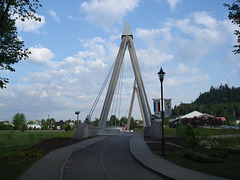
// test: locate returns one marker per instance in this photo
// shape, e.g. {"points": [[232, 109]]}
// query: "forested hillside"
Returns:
{"points": [[220, 101]]}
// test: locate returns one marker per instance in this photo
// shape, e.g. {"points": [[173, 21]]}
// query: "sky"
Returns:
{"points": [[77, 41]]}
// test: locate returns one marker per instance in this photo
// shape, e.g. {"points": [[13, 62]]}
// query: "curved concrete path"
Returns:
{"points": [[143, 154], [51, 166]]}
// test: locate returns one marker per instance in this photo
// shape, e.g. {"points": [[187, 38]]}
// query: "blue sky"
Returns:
{"points": [[76, 42]]}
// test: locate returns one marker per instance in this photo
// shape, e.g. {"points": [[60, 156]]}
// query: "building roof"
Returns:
{"points": [[221, 118], [196, 114], [192, 114]]}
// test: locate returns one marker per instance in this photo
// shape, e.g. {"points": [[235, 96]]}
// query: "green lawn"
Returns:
{"points": [[13, 169], [227, 168], [203, 131], [18, 140], [15, 141]]}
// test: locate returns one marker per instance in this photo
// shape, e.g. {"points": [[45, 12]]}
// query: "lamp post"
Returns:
{"points": [[161, 75], [48, 120], [77, 113]]}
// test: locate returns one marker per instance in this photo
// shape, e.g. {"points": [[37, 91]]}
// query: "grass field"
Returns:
{"points": [[171, 132], [226, 160], [13, 142], [226, 154], [17, 140], [227, 168]]}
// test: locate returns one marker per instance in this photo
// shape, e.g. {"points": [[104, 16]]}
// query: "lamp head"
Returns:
{"points": [[77, 112], [161, 75]]}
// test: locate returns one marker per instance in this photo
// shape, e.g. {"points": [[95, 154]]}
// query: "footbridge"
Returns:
{"points": [[138, 87]]}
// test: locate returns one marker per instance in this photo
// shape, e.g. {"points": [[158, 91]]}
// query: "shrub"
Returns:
{"points": [[219, 152], [32, 153], [5, 127], [201, 158], [180, 130], [192, 138], [66, 126]]}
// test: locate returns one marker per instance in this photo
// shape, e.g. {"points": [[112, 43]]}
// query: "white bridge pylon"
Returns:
{"points": [[127, 41]]}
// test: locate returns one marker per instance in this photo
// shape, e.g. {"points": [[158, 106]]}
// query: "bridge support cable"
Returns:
{"points": [[88, 118], [112, 84], [121, 84], [116, 104]]}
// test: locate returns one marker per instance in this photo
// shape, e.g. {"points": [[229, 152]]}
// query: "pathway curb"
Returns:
{"points": [[141, 152]]}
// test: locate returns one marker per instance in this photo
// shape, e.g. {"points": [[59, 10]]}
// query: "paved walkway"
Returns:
{"points": [[108, 159], [51, 166], [143, 154]]}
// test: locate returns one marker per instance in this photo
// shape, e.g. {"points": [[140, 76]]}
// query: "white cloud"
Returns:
{"points": [[198, 35], [179, 45], [30, 25], [173, 4], [185, 75], [41, 55], [151, 36], [54, 15], [105, 13]]}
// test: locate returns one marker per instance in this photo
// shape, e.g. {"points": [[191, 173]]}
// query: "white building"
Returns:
{"points": [[36, 126]]}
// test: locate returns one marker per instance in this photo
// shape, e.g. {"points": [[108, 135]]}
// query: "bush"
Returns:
{"points": [[219, 152], [32, 153], [192, 138], [201, 158], [180, 130], [5, 127], [67, 127]]}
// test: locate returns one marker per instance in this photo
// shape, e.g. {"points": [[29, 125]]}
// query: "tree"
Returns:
{"points": [[234, 16], [11, 47], [95, 122], [133, 124], [192, 138], [113, 120], [66, 126], [44, 125], [51, 123], [123, 121], [19, 121]]}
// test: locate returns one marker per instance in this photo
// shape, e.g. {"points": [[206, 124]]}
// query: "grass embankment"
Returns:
{"points": [[223, 154], [171, 132], [13, 160]]}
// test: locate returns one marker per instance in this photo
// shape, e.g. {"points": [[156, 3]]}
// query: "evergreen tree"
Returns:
{"points": [[220, 101], [19, 121]]}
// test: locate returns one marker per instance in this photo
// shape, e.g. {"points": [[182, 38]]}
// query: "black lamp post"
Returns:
{"points": [[161, 75], [77, 113]]}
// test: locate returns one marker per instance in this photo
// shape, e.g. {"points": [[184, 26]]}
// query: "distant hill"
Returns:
{"points": [[220, 101]]}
